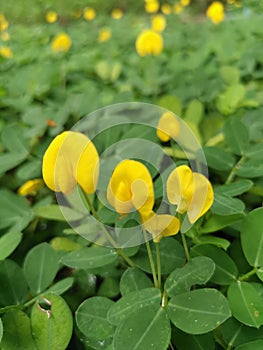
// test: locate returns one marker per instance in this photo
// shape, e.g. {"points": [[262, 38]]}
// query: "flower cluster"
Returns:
{"points": [[72, 159]]}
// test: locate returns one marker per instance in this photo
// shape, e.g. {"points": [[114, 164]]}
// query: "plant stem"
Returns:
{"points": [[148, 247], [248, 274], [106, 233], [171, 346], [186, 250], [159, 271], [234, 170]]}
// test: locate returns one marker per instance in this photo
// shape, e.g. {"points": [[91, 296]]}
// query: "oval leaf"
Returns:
{"points": [[134, 279], [91, 257], [147, 329], [253, 345], [91, 318], [8, 243], [51, 330], [198, 311], [218, 159], [17, 331], [246, 304], [236, 135], [226, 205], [185, 341], [252, 237], [40, 267]]}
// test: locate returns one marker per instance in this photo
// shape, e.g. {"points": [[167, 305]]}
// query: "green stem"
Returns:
{"points": [[186, 250], [106, 233], [159, 270], [234, 170], [171, 346], [148, 247], [248, 274]]}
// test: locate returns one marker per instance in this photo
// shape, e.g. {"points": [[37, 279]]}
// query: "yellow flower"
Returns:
{"points": [[160, 226], [61, 43], [185, 2], [104, 35], [216, 12], [71, 158], [166, 9], [6, 52], [168, 127], [116, 13], [89, 13], [5, 36], [178, 8], [31, 187], [151, 6], [130, 188], [3, 22], [190, 191], [51, 16], [158, 23], [149, 43]]}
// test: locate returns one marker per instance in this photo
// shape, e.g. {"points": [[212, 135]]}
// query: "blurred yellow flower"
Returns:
{"points": [[104, 35], [149, 43], [31, 187], [6, 52], [3, 22], [178, 8], [71, 158], [131, 188], [158, 23], [151, 6], [185, 2], [5, 36], [230, 2], [190, 191], [160, 226], [166, 9], [89, 13], [168, 127], [116, 13], [61, 43], [51, 16], [216, 12], [77, 13]]}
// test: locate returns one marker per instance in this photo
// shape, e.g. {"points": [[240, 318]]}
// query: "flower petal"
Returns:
{"points": [[168, 127]]}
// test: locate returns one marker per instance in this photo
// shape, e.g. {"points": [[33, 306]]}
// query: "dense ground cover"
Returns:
{"points": [[210, 76]]}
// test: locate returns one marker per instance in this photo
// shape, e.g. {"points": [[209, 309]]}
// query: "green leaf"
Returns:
{"points": [[226, 205], [236, 333], [57, 213], [260, 273], [91, 257], [133, 302], [14, 288], [194, 112], [199, 311], [171, 254], [197, 271], [146, 329], [54, 331], [234, 189], [246, 304], [15, 211], [172, 103], [134, 279], [217, 241], [217, 222], [8, 243], [185, 341], [250, 168], [230, 74], [218, 159], [253, 345], [91, 318], [13, 139], [61, 286], [252, 237], [225, 271], [236, 136], [17, 331], [109, 288], [9, 161], [40, 267], [229, 101], [255, 151], [1, 330]]}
